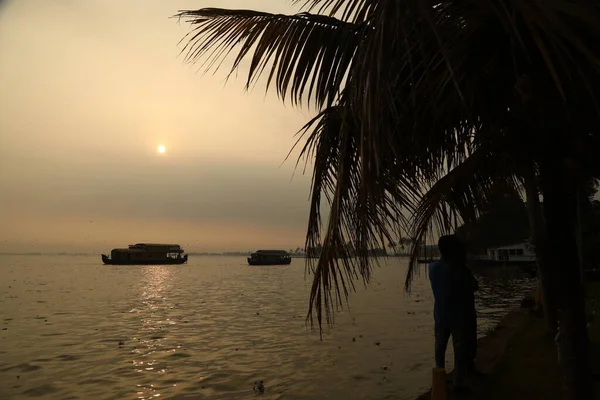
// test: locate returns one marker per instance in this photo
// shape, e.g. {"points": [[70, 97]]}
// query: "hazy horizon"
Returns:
{"points": [[91, 89]]}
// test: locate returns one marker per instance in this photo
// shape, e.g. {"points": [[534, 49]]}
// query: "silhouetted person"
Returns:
{"points": [[454, 288]]}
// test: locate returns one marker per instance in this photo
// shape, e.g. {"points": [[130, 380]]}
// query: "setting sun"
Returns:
{"points": [[161, 149]]}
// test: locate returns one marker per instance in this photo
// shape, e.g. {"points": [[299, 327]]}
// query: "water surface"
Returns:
{"points": [[75, 329]]}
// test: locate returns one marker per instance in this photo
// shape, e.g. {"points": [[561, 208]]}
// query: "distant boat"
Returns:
{"points": [[270, 257], [146, 254]]}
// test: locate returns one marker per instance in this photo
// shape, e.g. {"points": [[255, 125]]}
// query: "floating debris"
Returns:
{"points": [[121, 343], [259, 387], [377, 343], [384, 367], [354, 339]]}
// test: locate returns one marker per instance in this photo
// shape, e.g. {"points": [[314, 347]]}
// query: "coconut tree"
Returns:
{"points": [[409, 91], [546, 271]]}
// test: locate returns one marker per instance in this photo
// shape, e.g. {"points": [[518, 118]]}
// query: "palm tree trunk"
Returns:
{"points": [[560, 209], [580, 239], [545, 269]]}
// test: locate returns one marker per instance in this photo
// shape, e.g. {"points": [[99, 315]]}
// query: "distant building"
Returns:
{"points": [[516, 252]]}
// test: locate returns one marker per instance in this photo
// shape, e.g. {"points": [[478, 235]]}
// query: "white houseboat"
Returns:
{"points": [[513, 253]]}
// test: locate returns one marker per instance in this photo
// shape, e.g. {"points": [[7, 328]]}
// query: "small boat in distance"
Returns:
{"points": [[146, 254], [270, 257]]}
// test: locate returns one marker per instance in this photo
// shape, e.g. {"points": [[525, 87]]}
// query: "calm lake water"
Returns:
{"points": [[73, 328]]}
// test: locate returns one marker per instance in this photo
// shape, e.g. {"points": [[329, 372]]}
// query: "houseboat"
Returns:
{"points": [[146, 254], [270, 257], [521, 255], [512, 253]]}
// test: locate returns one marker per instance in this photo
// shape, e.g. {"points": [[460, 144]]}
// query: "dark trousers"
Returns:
{"points": [[464, 341]]}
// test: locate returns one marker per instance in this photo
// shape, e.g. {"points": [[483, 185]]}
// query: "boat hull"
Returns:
{"points": [[175, 261], [269, 262]]}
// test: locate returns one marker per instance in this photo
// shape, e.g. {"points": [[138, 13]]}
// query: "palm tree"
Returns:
{"points": [[546, 276], [410, 91]]}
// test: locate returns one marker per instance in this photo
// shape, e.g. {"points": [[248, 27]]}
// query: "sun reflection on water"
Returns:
{"points": [[155, 280], [152, 337]]}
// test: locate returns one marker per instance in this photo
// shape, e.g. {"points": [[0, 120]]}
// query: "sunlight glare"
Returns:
{"points": [[161, 149]]}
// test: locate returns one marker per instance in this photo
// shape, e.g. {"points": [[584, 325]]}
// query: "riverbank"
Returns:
{"points": [[520, 357]]}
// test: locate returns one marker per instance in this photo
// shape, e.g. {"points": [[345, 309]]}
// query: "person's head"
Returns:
{"points": [[452, 248]]}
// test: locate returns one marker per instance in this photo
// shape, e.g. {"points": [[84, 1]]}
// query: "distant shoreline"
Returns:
{"points": [[225, 254]]}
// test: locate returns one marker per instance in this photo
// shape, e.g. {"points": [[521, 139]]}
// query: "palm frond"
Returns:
{"points": [[439, 62], [360, 219], [309, 55], [460, 196], [349, 10]]}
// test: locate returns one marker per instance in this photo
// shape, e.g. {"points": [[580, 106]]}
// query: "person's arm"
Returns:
{"points": [[474, 282], [434, 279], [469, 281], [463, 284]]}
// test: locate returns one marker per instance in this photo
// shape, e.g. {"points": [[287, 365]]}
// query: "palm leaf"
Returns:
{"points": [[309, 55], [438, 57], [359, 216], [460, 196], [349, 10]]}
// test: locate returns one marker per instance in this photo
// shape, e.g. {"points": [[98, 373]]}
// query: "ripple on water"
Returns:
{"points": [[41, 390], [68, 357], [97, 381], [25, 367], [179, 355], [50, 334]]}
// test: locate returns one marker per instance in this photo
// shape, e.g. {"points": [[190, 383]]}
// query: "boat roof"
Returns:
{"points": [[154, 245], [523, 243], [130, 250], [149, 249], [271, 251]]}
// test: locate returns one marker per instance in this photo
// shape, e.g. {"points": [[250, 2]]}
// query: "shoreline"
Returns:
{"points": [[492, 347]]}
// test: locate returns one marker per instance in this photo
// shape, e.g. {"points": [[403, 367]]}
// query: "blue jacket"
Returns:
{"points": [[453, 288]]}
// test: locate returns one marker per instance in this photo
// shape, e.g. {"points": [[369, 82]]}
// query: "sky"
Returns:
{"points": [[89, 90]]}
